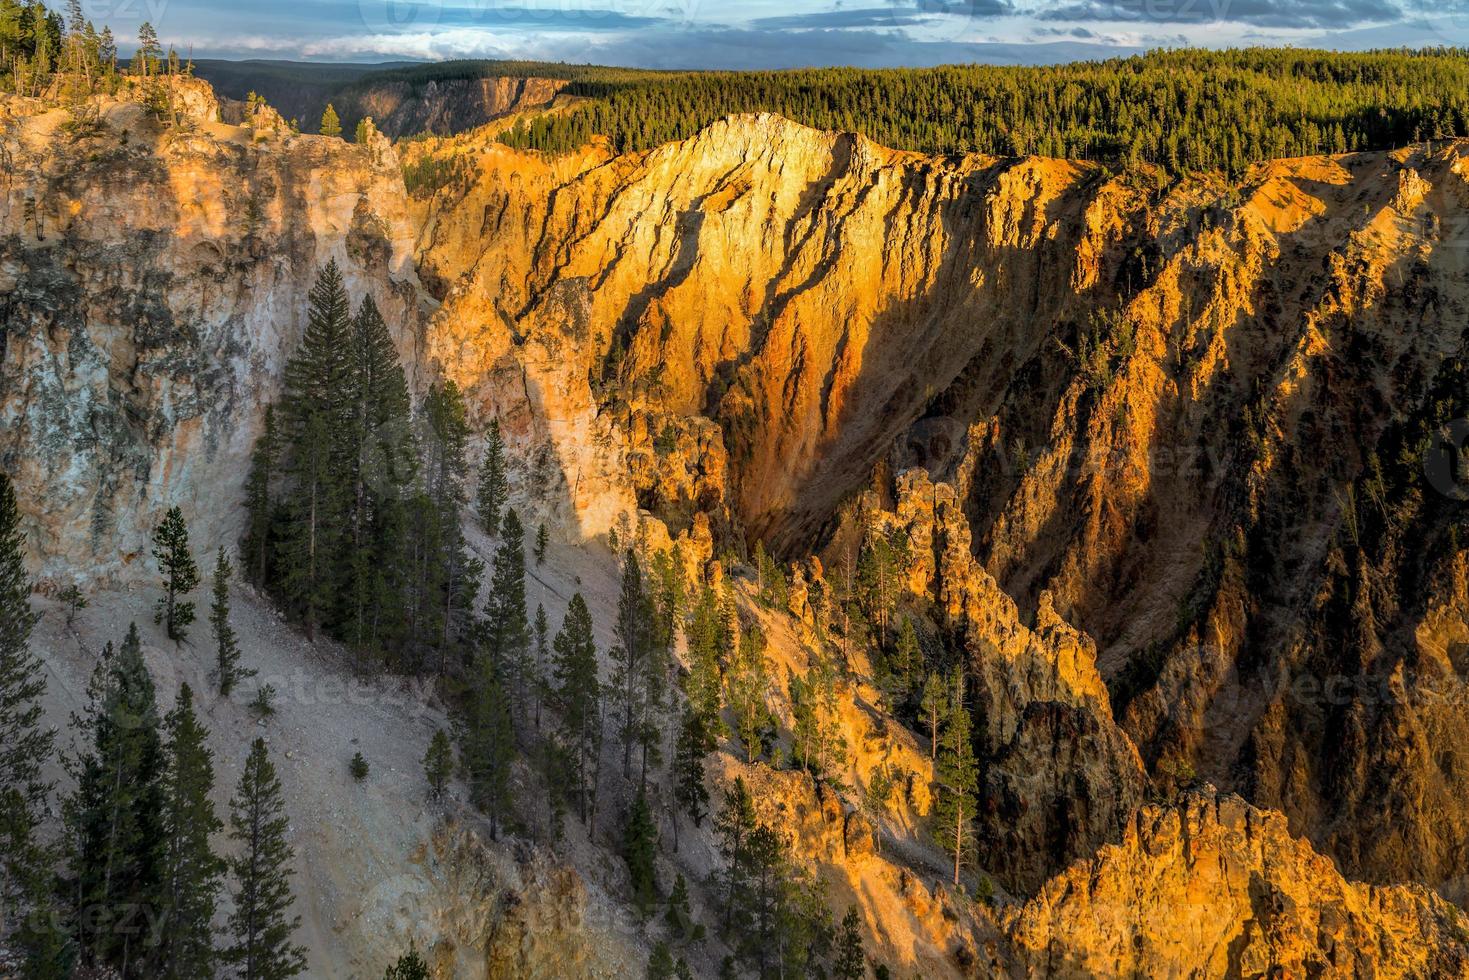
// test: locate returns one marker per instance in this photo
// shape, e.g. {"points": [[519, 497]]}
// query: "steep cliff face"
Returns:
{"points": [[1134, 427], [1211, 886], [152, 284], [811, 292], [450, 106], [1060, 778], [1200, 417]]}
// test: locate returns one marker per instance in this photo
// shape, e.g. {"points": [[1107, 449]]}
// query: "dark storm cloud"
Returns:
{"points": [[1259, 13]]}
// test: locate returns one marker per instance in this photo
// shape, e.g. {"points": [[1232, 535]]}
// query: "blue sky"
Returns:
{"points": [[771, 33]]}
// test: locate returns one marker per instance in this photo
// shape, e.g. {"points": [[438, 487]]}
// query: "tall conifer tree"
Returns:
{"points": [[493, 486], [25, 864], [487, 745], [956, 780], [260, 503], [261, 925], [191, 870], [180, 574], [506, 631], [380, 463], [640, 676], [576, 696], [316, 415], [445, 470], [227, 647], [114, 818]]}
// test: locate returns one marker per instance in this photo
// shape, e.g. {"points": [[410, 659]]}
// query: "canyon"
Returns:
{"points": [[1170, 455]]}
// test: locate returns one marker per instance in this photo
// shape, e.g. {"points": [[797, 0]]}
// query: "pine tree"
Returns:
{"points": [[330, 124], [25, 864], [577, 697], [383, 444], [639, 849], [907, 658], [379, 466], [114, 818], [506, 631], [74, 600], [666, 584], [541, 645], [227, 648], [317, 426], [493, 485], [410, 966], [956, 781], [851, 959], [438, 764], [358, 767], [734, 827], [660, 962], [445, 471], [191, 870], [704, 686], [260, 504], [261, 925], [680, 917], [934, 704], [689, 792], [541, 541], [749, 692], [487, 745], [145, 61], [180, 574], [640, 674]]}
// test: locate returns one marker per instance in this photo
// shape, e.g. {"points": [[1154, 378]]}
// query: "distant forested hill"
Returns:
{"points": [[296, 89], [1183, 110]]}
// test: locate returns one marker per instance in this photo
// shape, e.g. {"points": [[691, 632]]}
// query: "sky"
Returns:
{"points": [[770, 33]]}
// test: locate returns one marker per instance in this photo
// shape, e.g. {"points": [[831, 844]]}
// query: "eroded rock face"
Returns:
{"points": [[1158, 403], [1211, 886], [447, 106], [745, 325], [473, 912], [152, 284], [1060, 778], [809, 292]]}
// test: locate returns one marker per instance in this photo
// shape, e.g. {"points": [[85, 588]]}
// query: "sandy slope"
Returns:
{"points": [[363, 880]]}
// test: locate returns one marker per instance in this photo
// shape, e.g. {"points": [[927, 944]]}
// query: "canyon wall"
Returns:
{"points": [[1202, 418], [153, 281], [1168, 450]]}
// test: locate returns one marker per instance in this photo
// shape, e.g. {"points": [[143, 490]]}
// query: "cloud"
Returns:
{"points": [[893, 15], [1257, 13], [655, 47]]}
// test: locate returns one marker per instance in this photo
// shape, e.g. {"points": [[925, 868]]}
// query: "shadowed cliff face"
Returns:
{"points": [[449, 106], [1200, 416]]}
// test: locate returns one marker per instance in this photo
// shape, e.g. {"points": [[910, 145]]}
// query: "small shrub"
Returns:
{"points": [[264, 703], [358, 767]]}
